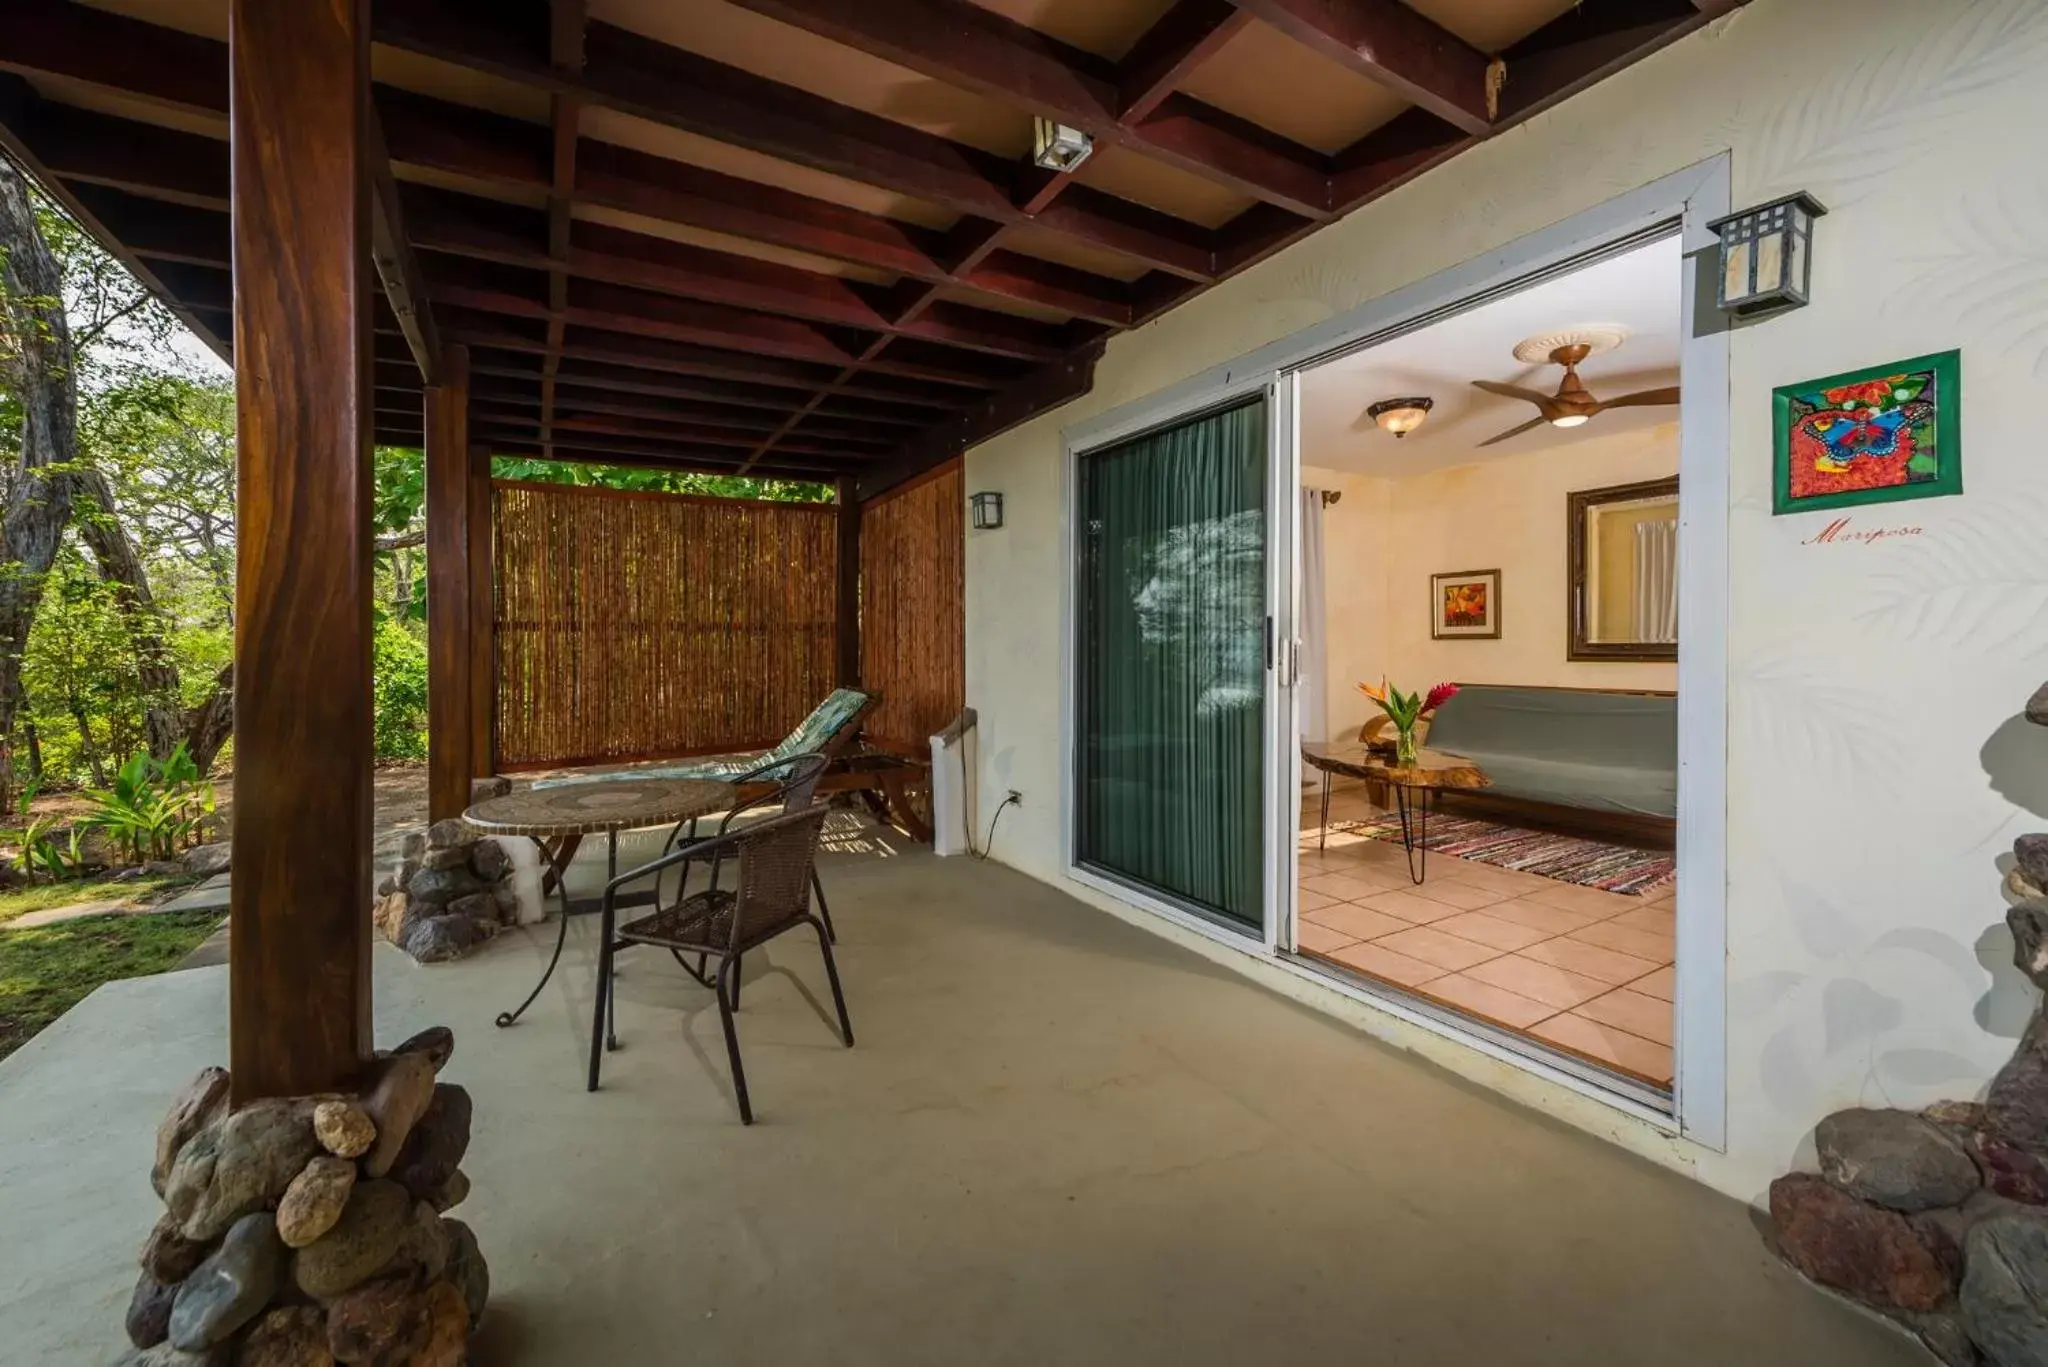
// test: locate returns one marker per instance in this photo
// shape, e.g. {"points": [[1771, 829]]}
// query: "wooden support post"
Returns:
{"points": [[483, 606], [299, 966], [847, 636], [450, 733]]}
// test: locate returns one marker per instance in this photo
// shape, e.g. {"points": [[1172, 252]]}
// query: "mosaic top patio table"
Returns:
{"points": [[1412, 785], [557, 819]]}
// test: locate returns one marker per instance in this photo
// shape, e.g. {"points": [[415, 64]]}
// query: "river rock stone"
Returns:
{"points": [[424, 1247], [467, 1270], [403, 1091], [390, 914], [2037, 706], [478, 906], [2021, 888], [2029, 925], [451, 857], [1873, 1255], [314, 1200], [489, 861], [412, 846], [449, 832], [1961, 1115], [484, 789], [439, 887], [289, 1336], [2004, 1295], [231, 1287], [435, 1148], [2016, 1109], [240, 1165], [2011, 1172], [453, 1192], [168, 1355], [1895, 1159], [437, 1042], [207, 860], [167, 1254], [437, 939], [447, 1342], [344, 1128], [2030, 853], [149, 1311], [380, 1322], [197, 1105], [363, 1240]]}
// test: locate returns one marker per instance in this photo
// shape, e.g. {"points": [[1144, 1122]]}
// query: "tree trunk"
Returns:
{"points": [[208, 726], [163, 720], [36, 360]]}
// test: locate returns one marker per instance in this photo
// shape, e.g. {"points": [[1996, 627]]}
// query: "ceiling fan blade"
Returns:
{"points": [[1514, 391], [1514, 431], [1643, 398]]}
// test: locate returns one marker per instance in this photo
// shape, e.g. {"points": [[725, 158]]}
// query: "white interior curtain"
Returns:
{"points": [[1656, 581], [1314, 689]]}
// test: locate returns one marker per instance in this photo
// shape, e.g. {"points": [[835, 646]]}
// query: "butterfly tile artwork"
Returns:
{"points": [[1870, 436]]}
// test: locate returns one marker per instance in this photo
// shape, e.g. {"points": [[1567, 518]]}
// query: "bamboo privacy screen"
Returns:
{"points": [[634, 625], [913, 624]]}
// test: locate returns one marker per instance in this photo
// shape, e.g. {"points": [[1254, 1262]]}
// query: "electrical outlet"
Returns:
{"points": [[1016, 797]]}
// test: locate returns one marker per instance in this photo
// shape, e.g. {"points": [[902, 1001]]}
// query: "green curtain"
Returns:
{"points": [[1172, 661]]}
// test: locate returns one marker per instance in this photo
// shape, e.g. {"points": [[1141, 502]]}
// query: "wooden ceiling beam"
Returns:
{"points": [[1394, 45], [488, 231], [1170, 51], [1046, 388], [636, 75], [673, 455], [567, 23], [1590, 42], [965, 45], [511, 446], [573, 398], [900, 411], [566, 421]]}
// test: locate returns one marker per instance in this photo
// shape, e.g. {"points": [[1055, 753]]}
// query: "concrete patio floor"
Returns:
{"points": [[1059, 1140]]}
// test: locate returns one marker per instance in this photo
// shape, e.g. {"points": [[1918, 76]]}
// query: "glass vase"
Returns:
{"points": [[1404, 747]]}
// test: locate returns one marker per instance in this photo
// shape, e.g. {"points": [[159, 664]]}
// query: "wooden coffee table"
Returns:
{"points": [[1412, 784]]}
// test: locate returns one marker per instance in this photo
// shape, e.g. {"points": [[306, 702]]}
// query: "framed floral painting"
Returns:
{"points": [[1870, 436], [1465, 605]]}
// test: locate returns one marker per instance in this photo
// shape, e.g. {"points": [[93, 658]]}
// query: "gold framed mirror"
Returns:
{"points": [[1622, 563]]}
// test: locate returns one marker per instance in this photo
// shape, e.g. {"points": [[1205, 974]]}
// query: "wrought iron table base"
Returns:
{"points": [[588, 906], [1414, 813]]}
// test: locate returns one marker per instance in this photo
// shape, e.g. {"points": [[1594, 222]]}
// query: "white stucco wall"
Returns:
{"points": [[1878, 768]]}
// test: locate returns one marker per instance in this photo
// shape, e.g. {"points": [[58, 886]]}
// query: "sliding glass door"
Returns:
{"points": [[1172, 652]]}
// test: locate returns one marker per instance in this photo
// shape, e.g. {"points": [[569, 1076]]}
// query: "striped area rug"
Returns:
{"points": [[1567, 858]]}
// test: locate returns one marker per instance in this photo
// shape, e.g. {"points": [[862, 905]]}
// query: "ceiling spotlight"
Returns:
{"points": [[1057, 147], [1400, 416]]}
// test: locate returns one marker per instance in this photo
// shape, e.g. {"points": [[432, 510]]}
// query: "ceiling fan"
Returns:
{"points": [[1573, 405]]}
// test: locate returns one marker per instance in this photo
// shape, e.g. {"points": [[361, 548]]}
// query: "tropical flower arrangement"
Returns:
{"points": [[1405, 709]]}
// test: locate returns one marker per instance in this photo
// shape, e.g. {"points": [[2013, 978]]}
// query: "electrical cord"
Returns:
{"points": [[988, 843]]}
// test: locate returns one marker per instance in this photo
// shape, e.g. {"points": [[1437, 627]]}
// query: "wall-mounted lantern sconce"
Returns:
{"points": [[988, 511], [1767, 256]]}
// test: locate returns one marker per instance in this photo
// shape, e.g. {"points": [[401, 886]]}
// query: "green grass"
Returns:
{"points": [[42, 896], [44, 972]]}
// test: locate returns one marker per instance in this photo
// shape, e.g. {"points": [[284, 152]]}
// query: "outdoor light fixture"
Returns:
{"points": [[1058, 147], [988, 511], [1400, 416], [1767, 256]]}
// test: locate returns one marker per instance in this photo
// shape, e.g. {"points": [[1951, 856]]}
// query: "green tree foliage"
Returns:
{"points": [[399, 665], [661, 481]]}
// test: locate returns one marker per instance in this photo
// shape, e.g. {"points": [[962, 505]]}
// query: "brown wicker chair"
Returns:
{"points": [[791, 781], [760, 886]]}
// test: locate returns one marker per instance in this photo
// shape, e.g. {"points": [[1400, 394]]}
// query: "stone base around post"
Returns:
{"points": [[306, 1231]]}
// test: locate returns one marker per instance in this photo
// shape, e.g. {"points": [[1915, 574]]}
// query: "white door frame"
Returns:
{"points": [[1690, 198]]}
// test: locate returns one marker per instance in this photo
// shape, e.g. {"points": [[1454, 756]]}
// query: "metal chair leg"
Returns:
{"points": [[832, 974], [598, 1008], [736, 983], [732, 1045], [818, 891]]}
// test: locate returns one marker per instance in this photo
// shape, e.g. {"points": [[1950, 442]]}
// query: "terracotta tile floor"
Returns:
{"points": [[1584, 971]]}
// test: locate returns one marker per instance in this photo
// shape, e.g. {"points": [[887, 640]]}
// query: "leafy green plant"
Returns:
{"points": [[399, 691], [154, 807]]}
